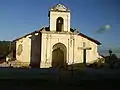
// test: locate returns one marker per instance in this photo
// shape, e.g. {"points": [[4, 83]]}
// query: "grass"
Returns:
{"points": [[54, 73], [52, 79]]}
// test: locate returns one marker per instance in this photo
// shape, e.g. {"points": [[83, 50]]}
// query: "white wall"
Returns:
{"points": [[74, 55], [91, 55], [25, 55], [55, 15]]}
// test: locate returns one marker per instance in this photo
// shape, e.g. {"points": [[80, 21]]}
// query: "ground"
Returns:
{"points": [[54, 79]]}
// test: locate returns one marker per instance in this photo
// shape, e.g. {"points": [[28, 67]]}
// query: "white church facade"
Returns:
{"points": [[57, 45]]}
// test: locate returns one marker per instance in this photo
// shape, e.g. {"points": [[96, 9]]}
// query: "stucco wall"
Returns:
{"points": [[55, 15], [42, 52], [26, 49], [91, 55], [48, 41], [31, 49], [72, 42]]}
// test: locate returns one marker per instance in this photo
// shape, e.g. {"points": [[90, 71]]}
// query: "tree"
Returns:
{"points": [[4, 48], [110, 52], [111, 59]]}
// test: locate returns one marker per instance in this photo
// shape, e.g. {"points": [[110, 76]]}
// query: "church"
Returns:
{"points": [[57, 45]]}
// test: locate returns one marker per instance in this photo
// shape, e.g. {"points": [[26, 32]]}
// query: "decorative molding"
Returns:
{"points": [[54, 32], [36, 34], [70, 42], [29, 36], [59, 7], [68, 50]]}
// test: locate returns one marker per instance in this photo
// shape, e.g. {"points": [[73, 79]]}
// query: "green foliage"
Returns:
{"points": [[111, 60], [6, 47], [98, 64], [110, 52], [100, 61]]}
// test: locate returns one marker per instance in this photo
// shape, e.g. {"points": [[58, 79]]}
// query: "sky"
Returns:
{"points": [[19, 17]]}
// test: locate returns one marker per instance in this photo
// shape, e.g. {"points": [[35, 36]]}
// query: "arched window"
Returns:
{"points": [[59, 24]]}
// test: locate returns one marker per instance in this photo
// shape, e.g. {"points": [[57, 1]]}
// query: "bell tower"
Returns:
{"points": [[59, 18]]}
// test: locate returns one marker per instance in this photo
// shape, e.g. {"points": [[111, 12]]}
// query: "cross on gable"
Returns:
{"points": [[84, 47]]}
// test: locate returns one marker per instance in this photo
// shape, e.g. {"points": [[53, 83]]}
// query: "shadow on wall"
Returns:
{"points": [[35, 50]]}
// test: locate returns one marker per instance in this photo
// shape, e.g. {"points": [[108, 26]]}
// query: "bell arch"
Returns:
{"points": [[59, 55], [59, 24]]}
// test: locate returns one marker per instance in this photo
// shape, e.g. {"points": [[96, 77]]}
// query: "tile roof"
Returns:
{"points": [[89, 38]]}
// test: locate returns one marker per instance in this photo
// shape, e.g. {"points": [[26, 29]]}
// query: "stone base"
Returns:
{"points": [[18, 64], [45, 65]]}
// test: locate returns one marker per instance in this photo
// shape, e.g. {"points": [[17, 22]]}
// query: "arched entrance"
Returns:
{"points": [[59, 55], [59, 24]]}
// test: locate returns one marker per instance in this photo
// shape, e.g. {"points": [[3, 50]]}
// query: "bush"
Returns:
{"points": [[98, 64], [93, 65]]}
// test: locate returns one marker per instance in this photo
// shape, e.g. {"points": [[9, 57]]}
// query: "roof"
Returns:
{"points": [[27, 34], [89, 38], [85, 36], [72, 30], [59, 7]]}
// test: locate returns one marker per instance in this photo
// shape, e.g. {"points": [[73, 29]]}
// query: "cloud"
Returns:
{"points": [[104, 28]]}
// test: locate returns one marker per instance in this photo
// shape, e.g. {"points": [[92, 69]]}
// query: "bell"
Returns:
{"points": [[59, 21]]}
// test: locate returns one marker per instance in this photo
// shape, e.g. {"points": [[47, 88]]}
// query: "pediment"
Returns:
{"points": [[59, 7]]}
